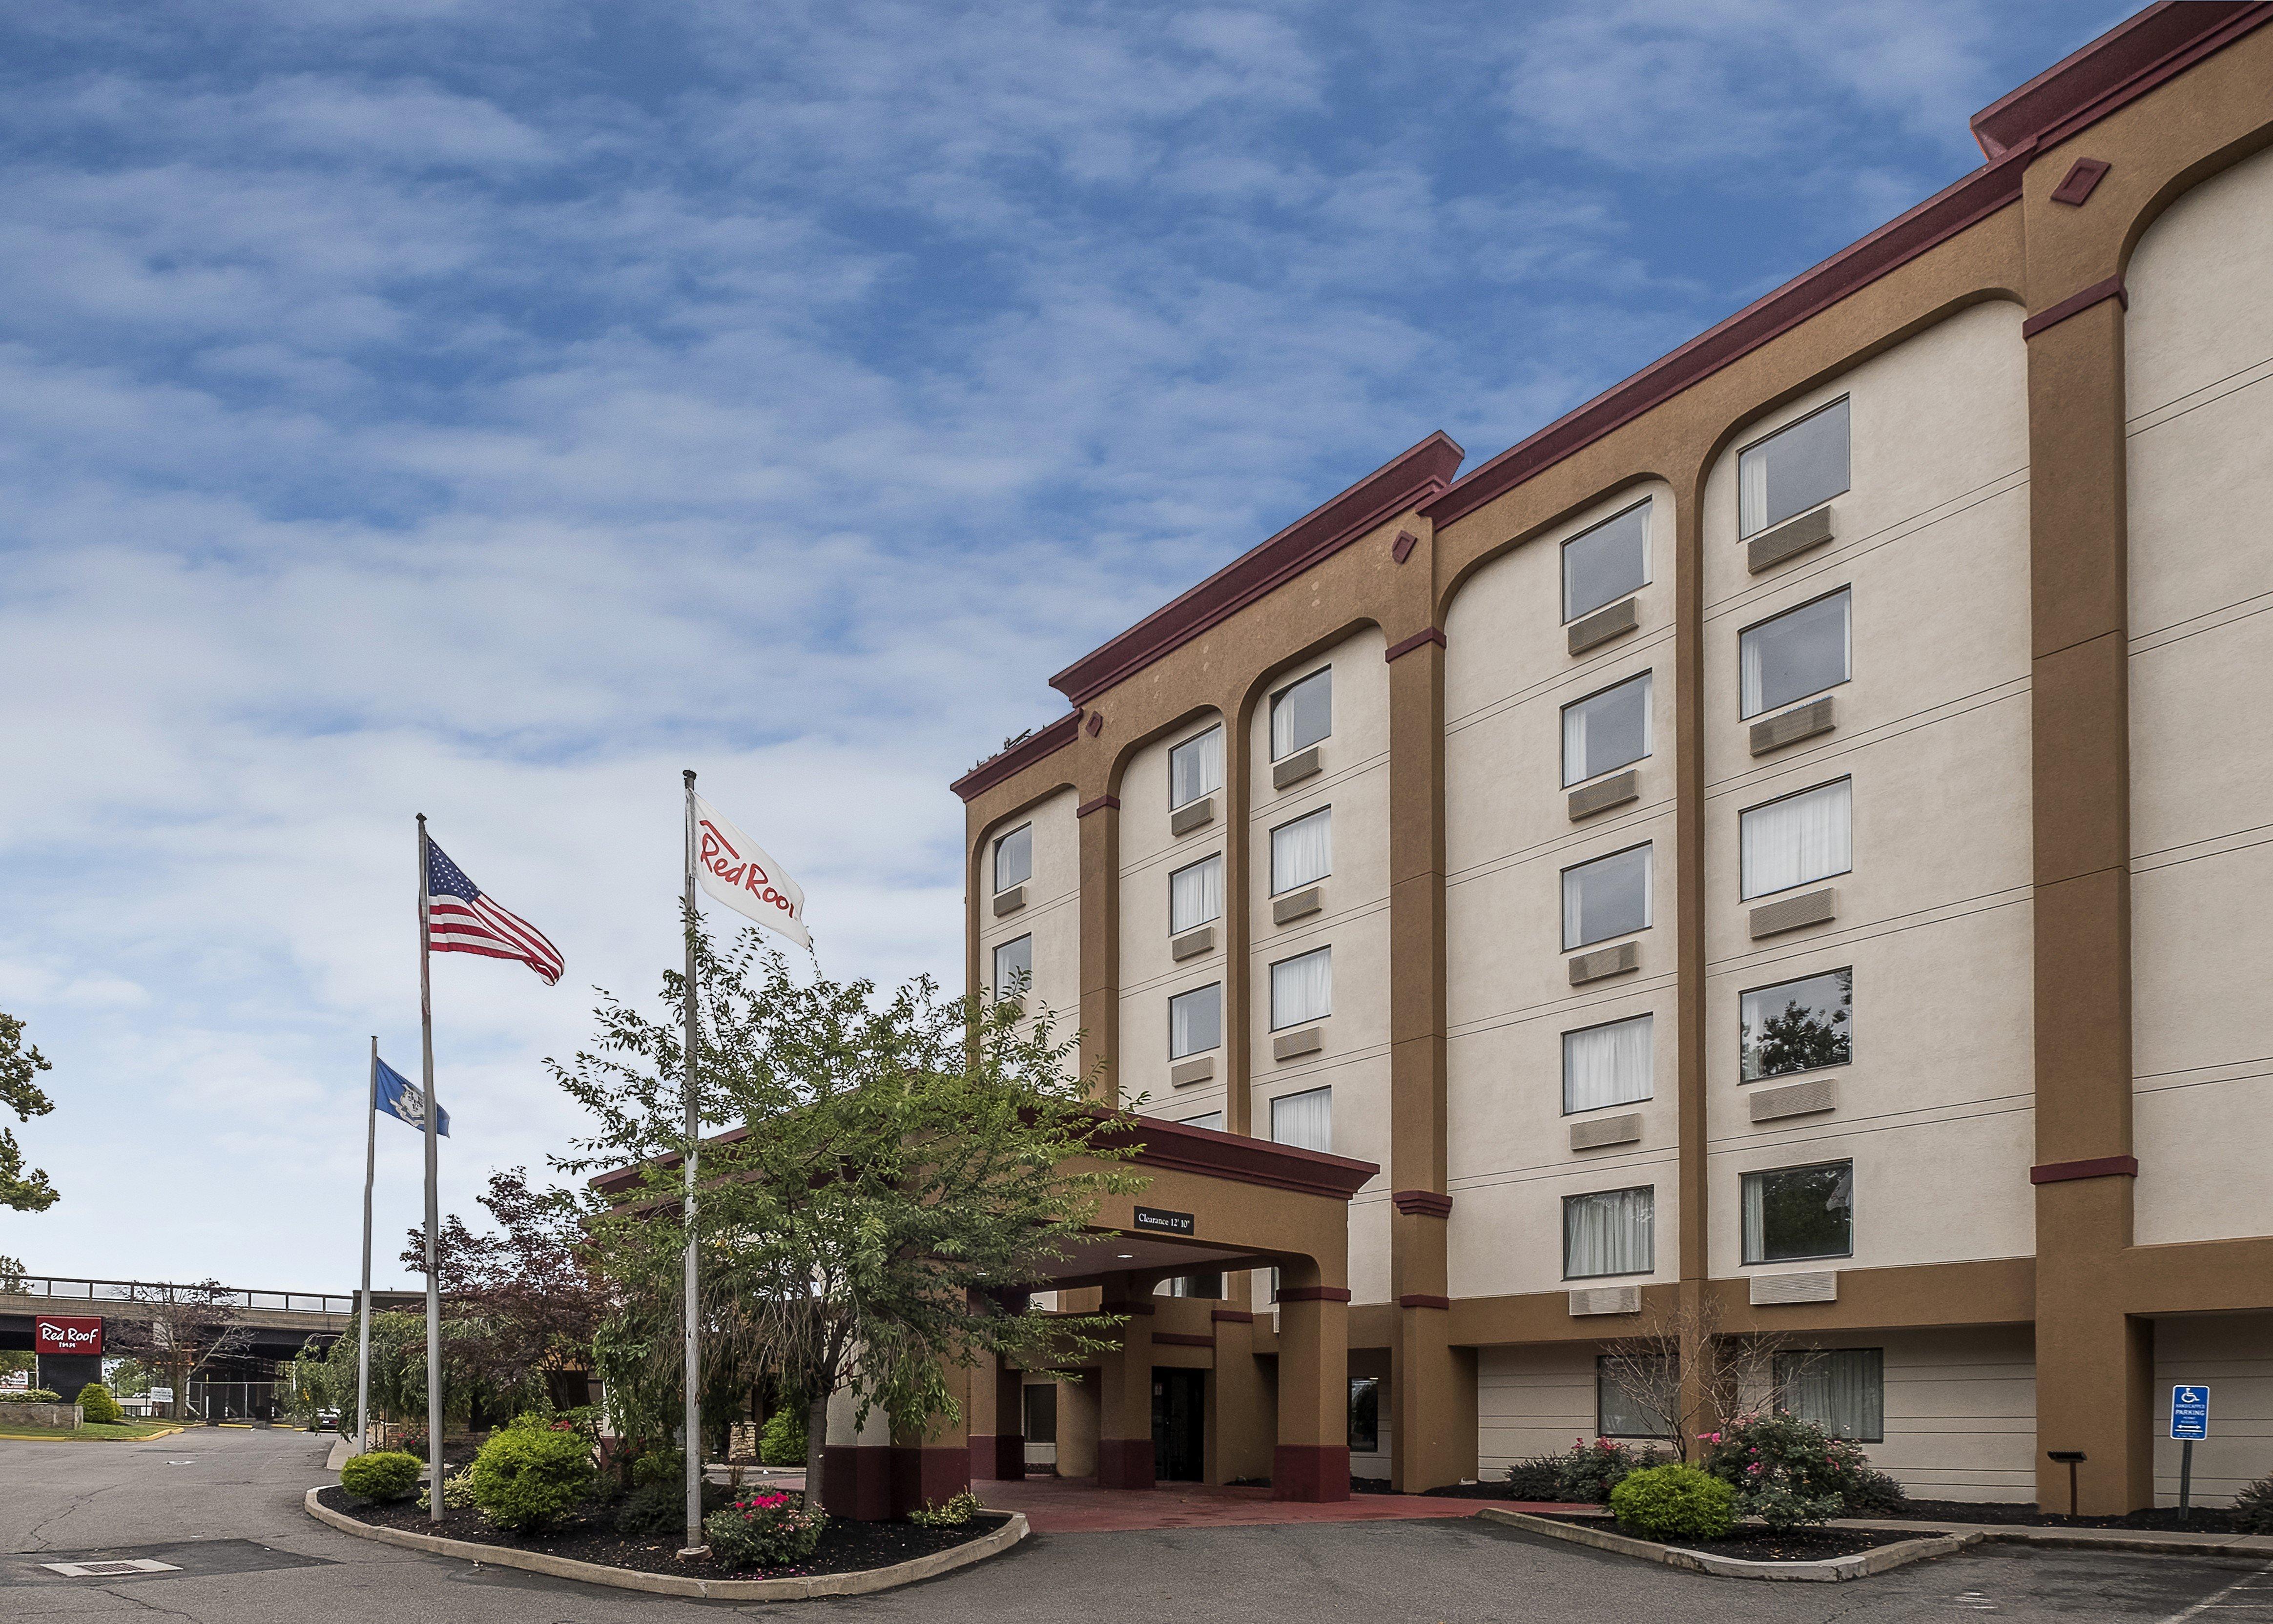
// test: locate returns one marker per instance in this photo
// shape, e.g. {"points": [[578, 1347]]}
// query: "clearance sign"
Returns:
{"points": [[55, 1334]]}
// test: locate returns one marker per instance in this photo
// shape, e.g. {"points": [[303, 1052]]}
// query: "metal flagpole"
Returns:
{"points": [[693, 1449], [434, 1115], [369, 1175]]}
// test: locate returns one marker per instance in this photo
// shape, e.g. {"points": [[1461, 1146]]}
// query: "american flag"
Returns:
{"points": [[460, 919]]}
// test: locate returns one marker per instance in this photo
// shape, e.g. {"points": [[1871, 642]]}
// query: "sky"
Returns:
{"points": [[489, 410]]}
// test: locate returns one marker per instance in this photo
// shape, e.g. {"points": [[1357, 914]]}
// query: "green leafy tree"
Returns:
{"points": [[891, 1170], [20, 1065]]}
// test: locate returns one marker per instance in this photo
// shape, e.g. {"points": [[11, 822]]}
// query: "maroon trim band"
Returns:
{"points": [[2075, 304], [1401, 549], [1020, 756], [1421, 1299], [1422, 1204], [1181, 1339], [2081, 179], [1100, 804], [1130, 1308], [1418, 640], [1231, 1316], [1314, 1294], [2097, 1167]]}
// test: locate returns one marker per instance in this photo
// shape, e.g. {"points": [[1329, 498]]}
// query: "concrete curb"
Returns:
{"points": [[1834, 1570], [2130, 1540], [861, 1584]]}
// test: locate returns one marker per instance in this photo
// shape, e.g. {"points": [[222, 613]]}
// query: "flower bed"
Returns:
{"points": [[1751, 1542]]}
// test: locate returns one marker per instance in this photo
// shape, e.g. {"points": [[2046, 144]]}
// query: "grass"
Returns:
{"points": [[129, 1430]]}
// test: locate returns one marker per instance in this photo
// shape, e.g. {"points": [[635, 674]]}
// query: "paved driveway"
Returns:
{"points": [[224, 1508]]}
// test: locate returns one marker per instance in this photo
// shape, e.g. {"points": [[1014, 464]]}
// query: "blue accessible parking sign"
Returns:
{"points": [[2189, 1413]]}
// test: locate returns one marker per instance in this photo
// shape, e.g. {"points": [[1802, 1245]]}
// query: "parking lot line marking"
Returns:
{"points": [[110, 1570], [2208, 1602]]}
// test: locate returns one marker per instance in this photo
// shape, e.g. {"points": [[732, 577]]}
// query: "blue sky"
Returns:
{"points": [[488, 409]]}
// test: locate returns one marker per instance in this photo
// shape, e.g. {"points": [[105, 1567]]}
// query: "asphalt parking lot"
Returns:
{"points": [[221, 1510]]}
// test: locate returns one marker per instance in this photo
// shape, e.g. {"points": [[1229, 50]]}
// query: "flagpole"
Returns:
{"points": [[693, 1450], [370, 1176], [434, 1115]]}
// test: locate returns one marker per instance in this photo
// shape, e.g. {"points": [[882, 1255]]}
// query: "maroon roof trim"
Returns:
{"points": [[1421, 1299], [1020, 756], [2075, 304], [1216, 1155], [2120, 66], [1405, 481], [1314, 1294], [1102, 804], [1408, 645], [2097, 1167], [2083, 176]]}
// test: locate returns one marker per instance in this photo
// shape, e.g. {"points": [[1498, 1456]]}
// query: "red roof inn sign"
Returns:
{"points": [[54, 1334]]}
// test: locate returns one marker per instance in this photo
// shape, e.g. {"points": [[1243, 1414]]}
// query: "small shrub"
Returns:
{"points": [[381, 1474], [1873, 1495], [782, 1443], [1538, 1479], [654, 1509], [953, 1512], [528, 1479], [96, 1404], [30, 1396], [412, 1441], [1587, 1474], [1673, 1502], [457, 1491], [659, 1466], [2253, 1507], [1786, 1471], [764, 1530]]}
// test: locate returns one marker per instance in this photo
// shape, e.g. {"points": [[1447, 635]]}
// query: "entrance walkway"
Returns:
{"points": [[1078, 1506]]}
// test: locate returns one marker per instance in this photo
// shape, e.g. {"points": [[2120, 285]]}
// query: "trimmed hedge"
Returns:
{"points": [[381, 1474], [1673, 1502], [526, 1479], [96, 1404]]}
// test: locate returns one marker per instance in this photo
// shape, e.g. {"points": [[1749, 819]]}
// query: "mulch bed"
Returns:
{"points": [[1471, 1491], [2161, 1519], [1758, 1545], [590, 1537]]}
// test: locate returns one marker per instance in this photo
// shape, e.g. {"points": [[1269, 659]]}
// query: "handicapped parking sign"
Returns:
{"points": [[2189, 1413]]}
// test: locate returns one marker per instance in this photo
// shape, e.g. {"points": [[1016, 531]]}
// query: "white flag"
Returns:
{"points": [[737, 872]]}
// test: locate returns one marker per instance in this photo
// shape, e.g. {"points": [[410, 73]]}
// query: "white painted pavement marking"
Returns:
{"points": [[110, 1570], [2218, 1600]]}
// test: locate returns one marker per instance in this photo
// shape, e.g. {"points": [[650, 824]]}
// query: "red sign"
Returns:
{"points": [[62, 1336]]}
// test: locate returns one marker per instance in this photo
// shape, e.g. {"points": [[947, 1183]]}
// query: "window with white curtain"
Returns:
{"points": [[1606, 897], [1196, 894], [1797, 655], [1606, 563], [1843, 1391], [1302, 852], [1609, 1232], [1210, 1119], [1304, 1120], [1196, 767], [1607, 1065], [1606, 730], [1302, 713], [1302, 988], [1014, 858], [1795, 468], [1014, 968], [1195, 1021], [1794, 1213], [1799, 839]]}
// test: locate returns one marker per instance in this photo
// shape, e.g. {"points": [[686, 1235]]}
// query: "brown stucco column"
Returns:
{"points": [[1692, 1205], [931, 1464], [1124, 1405], [1238, 929], [1429, 1445], [996, 1417], [2093, 1367], [1242, 1421], [1311, 1462], [1100, 943]]}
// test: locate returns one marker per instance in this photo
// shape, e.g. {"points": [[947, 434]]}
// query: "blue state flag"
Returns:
{"points": [[403, 1100]]}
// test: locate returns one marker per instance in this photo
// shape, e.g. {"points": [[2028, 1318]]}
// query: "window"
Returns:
{"points": [[1302, 852], [1607, 1065], [1633, 1396], [1606, 897], [1842, 1392], [1800, 1212], [1799, 653], [1195, 1021], [1304, 1120], [1191, 1285], [1196, 767], [1799, 839], [1792, 470], [1302, 713], [1798, 1026], [1608, 1233], [1014, 968], [1041, 1412], [1196, 894], [1605, 730], [1302, 988], [1365, 1414], [1210, 1119], [1014, 858], [1607, 563]]}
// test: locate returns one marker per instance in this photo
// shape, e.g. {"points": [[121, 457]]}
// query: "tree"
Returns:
{"points": [[1732, 1374], [180, 1329], [894, 1170], [519, 1301], [20, 1066]]}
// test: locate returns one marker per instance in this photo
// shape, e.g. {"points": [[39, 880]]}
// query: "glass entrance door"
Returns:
{"points": [[1179, 1425]]}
